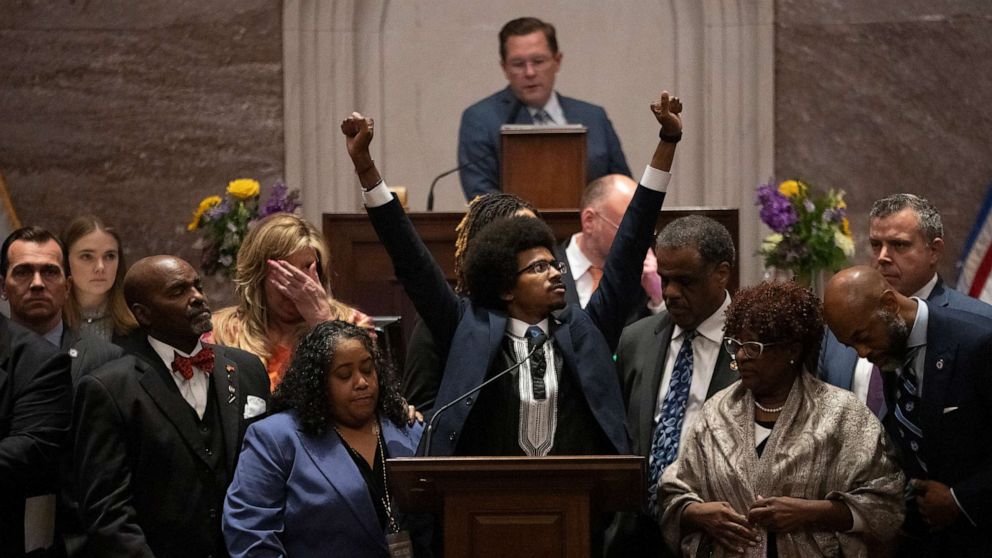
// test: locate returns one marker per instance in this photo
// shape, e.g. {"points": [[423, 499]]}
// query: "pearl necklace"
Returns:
{"points": [[767, 410]]}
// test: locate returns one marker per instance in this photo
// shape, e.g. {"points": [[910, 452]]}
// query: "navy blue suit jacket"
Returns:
{"points": [[837, 361], [478, 139], [299, 495], [471, 335], [956, 420]]}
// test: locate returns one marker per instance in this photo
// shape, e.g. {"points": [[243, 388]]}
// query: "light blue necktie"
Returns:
{"points": [[665, 442]]}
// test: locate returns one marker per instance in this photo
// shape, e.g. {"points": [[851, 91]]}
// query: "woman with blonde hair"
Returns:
{"points": [[281, 281], [95, 306]]}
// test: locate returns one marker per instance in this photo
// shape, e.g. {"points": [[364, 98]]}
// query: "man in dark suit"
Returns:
{"points": [[35, 282], [34, 420], [530, 60], [157, 433], [938, 382], [604, 202], [906, 236], [695, 258], [514, 286]]}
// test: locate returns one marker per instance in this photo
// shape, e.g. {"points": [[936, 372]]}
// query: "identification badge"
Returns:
{"points": [[400, 545]]}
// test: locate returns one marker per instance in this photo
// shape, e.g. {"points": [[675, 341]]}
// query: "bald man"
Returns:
{"points": [[603, 204], [937, 378], [158, 432], [906, 236]]}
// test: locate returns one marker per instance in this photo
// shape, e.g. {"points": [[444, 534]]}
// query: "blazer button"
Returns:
{"points": [[468, 402], [213, 513], [208, 452], [451, 437]]}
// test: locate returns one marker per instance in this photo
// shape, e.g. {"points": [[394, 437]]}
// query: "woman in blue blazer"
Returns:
{"points": [[311, 480]]}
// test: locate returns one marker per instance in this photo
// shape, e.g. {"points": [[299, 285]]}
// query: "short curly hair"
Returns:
{"points": [[491, 262], [777, 312], [304, 388]]}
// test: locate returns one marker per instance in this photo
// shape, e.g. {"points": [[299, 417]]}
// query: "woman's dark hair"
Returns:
{"points": [[777, 312], [304, 387], [491, 263]]}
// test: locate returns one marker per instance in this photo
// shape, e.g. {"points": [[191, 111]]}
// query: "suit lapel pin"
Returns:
{"points": [[940, 364], [73, 353]]}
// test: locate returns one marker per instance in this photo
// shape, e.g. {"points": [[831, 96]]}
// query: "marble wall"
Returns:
{"points": [[136, 109], [887, 96]]}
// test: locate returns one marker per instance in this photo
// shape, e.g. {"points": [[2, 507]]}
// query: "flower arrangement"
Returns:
{"points": [[225, 221], [811, 230]]}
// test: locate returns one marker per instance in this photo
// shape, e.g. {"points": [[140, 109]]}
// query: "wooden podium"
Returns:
{"points": [[518, 506], [545, 165]]}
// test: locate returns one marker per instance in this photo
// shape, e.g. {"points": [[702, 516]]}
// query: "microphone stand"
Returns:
{"points": [[430, 423]]}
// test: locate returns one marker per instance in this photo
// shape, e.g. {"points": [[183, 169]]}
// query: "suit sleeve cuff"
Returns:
{"points": [[963, 512], [378, 196], [655, 179]]}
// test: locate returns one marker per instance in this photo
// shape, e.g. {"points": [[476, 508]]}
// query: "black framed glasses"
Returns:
{"points": [[541, 267], [752, 349]]}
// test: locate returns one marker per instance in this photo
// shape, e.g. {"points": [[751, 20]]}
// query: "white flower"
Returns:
{"points": [[844, 242], [771, 242]]}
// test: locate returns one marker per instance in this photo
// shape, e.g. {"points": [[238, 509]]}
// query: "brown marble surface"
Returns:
{"points": [[135, 110], [887, 96]]}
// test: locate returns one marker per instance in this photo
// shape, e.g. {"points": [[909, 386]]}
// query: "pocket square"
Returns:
{"points": [[254, 406], [950, 409]]}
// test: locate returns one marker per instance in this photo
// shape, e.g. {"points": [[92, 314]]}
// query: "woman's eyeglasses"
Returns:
{"points": [[751, 349]]}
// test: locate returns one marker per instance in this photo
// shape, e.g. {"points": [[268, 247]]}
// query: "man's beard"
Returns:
{"points": [[898, 333]]}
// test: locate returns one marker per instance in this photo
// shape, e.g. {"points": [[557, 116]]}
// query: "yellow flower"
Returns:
{"points": [[204, 206], [845, 227], [243, 188], [791, 188]]}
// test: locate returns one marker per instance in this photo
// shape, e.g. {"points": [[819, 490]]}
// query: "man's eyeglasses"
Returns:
{"points": [[519, 66], [752, 349], [615, 226], [541, 267]]}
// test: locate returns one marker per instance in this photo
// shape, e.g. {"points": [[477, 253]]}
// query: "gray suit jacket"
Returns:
{"points": [[640, 363]]}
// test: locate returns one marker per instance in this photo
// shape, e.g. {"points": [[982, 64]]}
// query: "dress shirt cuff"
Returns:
{"points": [[378, 196], [655, 179], [857, 522], [963, 512], [656, 309]]}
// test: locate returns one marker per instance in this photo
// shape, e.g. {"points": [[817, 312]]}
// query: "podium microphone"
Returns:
{"points": [[430, 423], [430, 191]]}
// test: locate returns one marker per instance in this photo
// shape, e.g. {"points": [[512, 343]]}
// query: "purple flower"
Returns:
{"points": [[835, 214], [281, 200], [776, 210], [219, 210]]}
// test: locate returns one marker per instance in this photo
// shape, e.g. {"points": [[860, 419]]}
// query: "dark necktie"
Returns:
{"points": [[665, 442], [542, 117], [538, 364], [907, 411], [876, 396], [204, 360]]}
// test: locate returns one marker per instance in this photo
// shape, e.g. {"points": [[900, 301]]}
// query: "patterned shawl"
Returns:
{"points": [[825, 445]]}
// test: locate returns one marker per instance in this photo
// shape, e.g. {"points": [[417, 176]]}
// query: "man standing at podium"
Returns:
{"points": [[530, 59]]}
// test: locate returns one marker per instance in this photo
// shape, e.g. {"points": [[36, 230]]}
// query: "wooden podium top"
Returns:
{"points": [[613, 482]]}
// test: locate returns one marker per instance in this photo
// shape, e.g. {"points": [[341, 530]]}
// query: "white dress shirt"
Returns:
{"points": [[553, 108], [706, 349], [193, 390]]}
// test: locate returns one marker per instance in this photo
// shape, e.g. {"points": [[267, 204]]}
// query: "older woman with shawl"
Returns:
{"points": [[780, 463]]}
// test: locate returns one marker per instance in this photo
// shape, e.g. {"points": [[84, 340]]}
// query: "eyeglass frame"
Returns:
{"points": [[608, 222], [519, 65], [561, 266], [742, 344]]}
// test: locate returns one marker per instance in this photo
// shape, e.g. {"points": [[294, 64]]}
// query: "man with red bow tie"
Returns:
{"points": [[158, 432]]}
